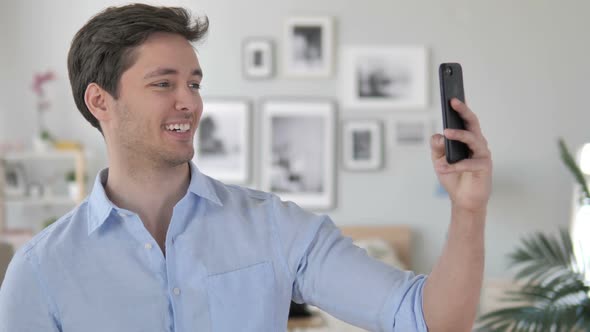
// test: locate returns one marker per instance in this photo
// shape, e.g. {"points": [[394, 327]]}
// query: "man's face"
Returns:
{"points": [[159, 104]]}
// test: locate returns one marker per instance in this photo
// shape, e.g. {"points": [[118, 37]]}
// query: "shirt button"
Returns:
{"points": [[176, 291], [148, 246]]}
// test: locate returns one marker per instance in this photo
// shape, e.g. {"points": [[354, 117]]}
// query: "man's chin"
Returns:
{"points": [[180, 159]]}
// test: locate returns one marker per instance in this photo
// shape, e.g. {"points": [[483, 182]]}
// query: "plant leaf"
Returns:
{"points": [[571, 164]]}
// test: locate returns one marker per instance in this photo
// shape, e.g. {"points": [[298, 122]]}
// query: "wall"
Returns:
{"points": [[525, 68]]}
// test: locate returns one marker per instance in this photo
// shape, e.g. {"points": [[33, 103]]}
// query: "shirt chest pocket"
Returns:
{"points": [[243, 299]]}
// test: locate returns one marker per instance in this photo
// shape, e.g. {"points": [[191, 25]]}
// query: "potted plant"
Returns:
{"points": [[73, 186], [554, 291], [47, 222]]}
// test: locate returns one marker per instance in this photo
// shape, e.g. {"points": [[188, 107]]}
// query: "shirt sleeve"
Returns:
{"points": [[340, 278], [24, 304]]}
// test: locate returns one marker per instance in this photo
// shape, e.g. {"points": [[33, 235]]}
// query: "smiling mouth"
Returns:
{"points": [[178, 127]]}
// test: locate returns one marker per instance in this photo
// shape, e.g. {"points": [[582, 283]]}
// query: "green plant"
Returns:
{"points": [[46, 136], [571, 164], [49, 221], [554, 295], [70, 176]]}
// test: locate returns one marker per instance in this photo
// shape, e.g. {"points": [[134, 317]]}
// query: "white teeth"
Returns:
{"points": [[180, 127]]}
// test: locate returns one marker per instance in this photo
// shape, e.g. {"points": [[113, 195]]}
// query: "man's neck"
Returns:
{"points": [[152, 193]]}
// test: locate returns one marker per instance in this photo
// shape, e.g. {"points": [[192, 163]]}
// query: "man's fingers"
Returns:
{"points": [[465, 165], [477, 144], [437, 146], [471, 120]]}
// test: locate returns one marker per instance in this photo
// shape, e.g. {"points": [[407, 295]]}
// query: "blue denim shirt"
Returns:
{"points": [[235, 258]]}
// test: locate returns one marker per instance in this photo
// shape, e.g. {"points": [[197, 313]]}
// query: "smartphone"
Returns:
{"points": [[451, 86]]}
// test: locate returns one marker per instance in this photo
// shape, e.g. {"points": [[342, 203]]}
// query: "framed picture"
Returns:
{"points": [[258, 57], [298, 151], [362, 145], [412, 130], [222, 141], [384, 77], [308, 47]]}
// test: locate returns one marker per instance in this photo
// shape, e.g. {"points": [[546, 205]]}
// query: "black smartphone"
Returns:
{"points": [[451, 86]]}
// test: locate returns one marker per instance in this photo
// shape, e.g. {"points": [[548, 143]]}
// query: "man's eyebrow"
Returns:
{"points": [[170, 71]]}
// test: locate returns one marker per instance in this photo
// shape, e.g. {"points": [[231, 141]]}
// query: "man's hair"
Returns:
{"points": [[104, 48]]}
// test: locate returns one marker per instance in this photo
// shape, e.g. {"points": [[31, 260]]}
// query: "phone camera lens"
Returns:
{"points": [[449, 71]]}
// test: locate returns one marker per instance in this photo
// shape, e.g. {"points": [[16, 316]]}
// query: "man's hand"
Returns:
{"points": [[459, 270], [468, 181]]}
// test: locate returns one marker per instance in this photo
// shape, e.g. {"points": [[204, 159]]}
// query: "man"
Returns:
{"points": [[158, 246]]}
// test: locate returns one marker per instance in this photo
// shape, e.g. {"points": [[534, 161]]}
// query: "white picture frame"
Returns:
{"points": [[222, 140], [258, 58], [298, 151], [362, 145], [308, 50], [412, 130], [384, 77]]}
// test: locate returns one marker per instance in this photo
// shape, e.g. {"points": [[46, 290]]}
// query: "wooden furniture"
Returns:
{"points": [[398, 236], [315, 321], [6, 252], [400, 239]]}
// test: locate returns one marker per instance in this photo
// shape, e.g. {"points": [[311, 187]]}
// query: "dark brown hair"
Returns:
{"points": [[103, 49]]}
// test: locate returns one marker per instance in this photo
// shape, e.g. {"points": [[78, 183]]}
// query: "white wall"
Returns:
{"points": [[525, 68]]}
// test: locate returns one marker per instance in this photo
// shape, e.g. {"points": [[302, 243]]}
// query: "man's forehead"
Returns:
{"points": [[163, 54], [166, 49]]}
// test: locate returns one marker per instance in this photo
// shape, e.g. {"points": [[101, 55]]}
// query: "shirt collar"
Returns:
{"points": [[202, 185], [100, 206]]}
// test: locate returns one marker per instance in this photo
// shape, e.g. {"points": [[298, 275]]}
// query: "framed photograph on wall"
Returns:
{"points": [[258, 58], [412, 130], [362, 145], [222, 141], [308, 47], [384, 77], [298, 151]]}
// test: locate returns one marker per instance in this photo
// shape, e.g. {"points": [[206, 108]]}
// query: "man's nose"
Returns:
{"points": [[187, 99]]}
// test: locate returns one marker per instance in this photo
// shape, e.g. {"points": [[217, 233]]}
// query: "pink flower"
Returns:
{"points": [[39, 80]]}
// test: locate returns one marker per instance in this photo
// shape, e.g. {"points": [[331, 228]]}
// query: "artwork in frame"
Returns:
{"points": [[298, 151], [384, 77], [308, 50], [412, 130], [258, 58], [222, 140], [362, 145]]}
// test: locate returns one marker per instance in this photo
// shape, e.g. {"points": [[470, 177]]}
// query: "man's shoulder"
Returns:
{"points": [[232, 192], [241, 197], [63, 231]]}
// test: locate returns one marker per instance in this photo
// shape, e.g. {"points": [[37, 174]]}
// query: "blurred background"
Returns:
{"points": [[525, 70]]}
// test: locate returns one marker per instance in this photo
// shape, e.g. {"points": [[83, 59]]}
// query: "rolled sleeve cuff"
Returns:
{"points": [[403, 311]]}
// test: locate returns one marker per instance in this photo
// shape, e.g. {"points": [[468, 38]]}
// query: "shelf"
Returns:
{"points": [[50, 200], [41, 155], [41, 201]]}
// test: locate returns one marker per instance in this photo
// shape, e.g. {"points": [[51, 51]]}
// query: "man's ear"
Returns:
{"points": [[96, 99]]}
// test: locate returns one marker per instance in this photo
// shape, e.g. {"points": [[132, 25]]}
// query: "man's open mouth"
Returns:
{"points": [[178, 127]]}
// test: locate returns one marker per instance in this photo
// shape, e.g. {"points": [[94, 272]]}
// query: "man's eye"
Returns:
{"points": [[195, 86], [162, 84]]}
